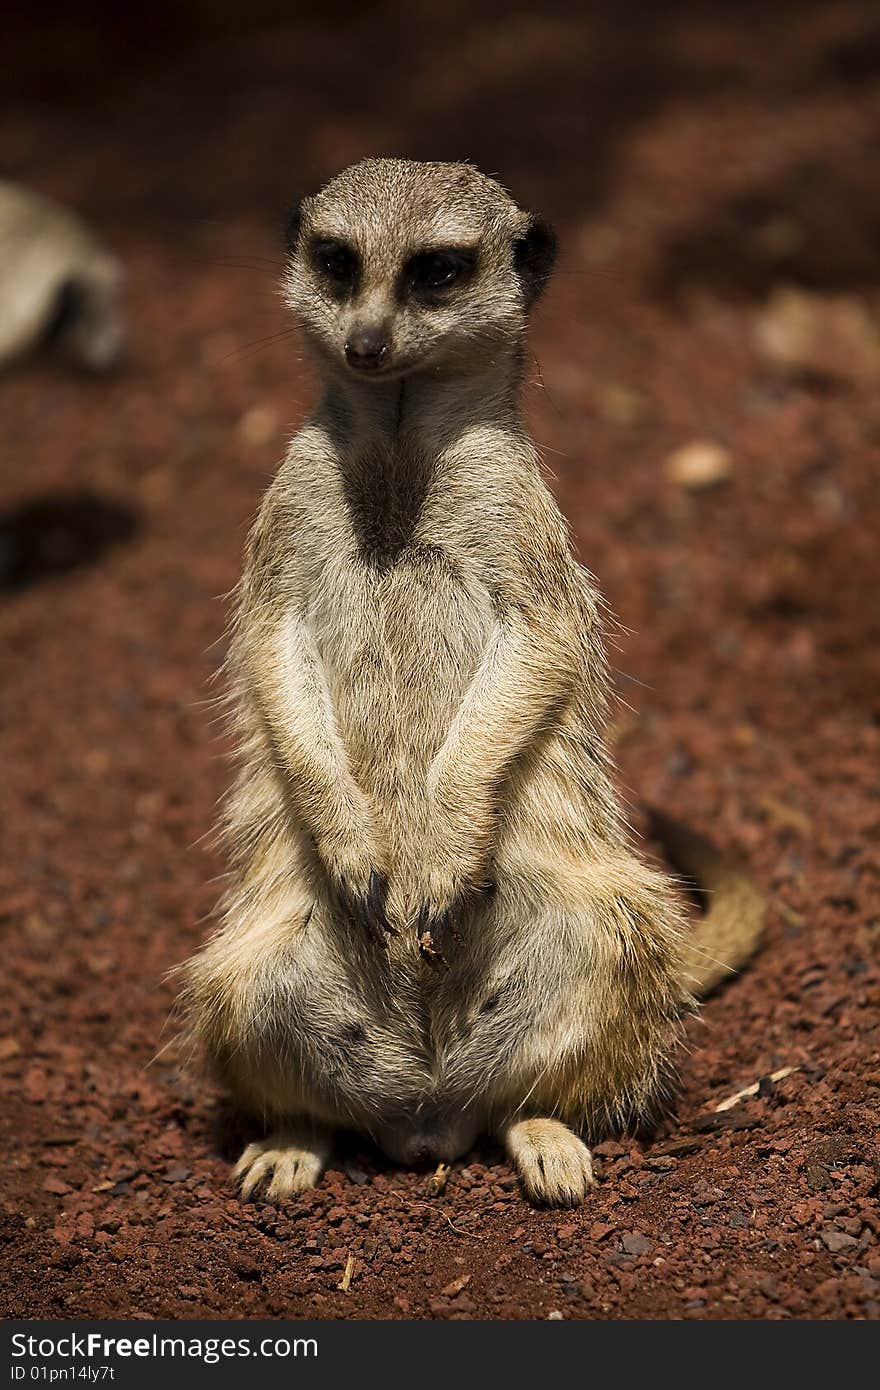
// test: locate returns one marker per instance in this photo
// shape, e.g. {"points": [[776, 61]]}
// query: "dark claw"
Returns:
{"points": [[368, 909], [377, 890]]}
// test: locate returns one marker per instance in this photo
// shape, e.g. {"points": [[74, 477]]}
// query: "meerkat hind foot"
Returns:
{"points": [[554, 1165], [285, 1162]]}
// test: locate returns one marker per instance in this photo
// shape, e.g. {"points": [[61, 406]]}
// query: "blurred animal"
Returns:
{"points": [[438, 924], [56, 283]]}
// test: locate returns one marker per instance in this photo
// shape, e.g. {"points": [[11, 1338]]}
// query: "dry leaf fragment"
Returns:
{"points": [[454, 1289], [436, 1183], [429, 950]]}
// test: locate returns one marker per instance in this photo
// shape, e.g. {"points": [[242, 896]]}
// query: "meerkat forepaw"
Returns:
{"points": [[553, 1164], [287, 1162], [443, 911], [365, 904]]}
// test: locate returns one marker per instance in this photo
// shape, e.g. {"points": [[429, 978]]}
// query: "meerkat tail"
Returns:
{"points": [[730, 929]]}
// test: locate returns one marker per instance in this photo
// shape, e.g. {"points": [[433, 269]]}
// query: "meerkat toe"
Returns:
{"points": [[294, 1171], [553, 1164], [280, 1166]]}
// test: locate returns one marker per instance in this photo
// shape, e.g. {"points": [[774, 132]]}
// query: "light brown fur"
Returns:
{"points": [[420, 693]]}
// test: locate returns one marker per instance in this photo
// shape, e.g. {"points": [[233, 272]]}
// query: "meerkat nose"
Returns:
{"points": [[366, 348]]}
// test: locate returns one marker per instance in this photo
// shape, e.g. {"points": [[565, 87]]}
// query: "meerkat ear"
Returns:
{"points": [[534, 255]]}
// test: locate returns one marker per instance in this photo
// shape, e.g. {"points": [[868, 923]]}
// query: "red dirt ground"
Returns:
{"points": [[692, 159]]}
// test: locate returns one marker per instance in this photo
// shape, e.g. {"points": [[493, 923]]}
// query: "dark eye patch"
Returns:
{"points": [[431, 272], [337, 263]]}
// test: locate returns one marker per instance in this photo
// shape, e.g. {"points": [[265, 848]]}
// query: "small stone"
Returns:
{"points": [[244, 1266], [634, 1243], [680, 1148], [799, 331], [837, 1242], [700, 465], [554, 1315], [705, 1195], [599, 1230], [56, 1186], [817, 1178], [609, 1148], [176, 1172]]}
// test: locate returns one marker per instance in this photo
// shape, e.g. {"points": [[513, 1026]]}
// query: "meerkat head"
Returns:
{"points": [[396, 267]]}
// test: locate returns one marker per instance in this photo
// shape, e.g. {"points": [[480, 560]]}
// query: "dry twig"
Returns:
{"points": [[753, 1090]]}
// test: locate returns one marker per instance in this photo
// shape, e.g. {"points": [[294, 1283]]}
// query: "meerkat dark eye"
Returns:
{"points": [[336, 263], [430, 272]]}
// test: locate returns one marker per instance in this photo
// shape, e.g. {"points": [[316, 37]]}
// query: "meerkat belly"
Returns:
{"points": [[399, 649], [490, 1036], [333, 1031], [417, 1057], [379, 1039]]}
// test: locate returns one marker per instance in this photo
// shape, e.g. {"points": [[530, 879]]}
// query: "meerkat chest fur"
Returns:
{"points": [[400, 603]]}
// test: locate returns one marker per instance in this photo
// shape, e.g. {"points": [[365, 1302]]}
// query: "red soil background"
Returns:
{"points": [[694, 156]]}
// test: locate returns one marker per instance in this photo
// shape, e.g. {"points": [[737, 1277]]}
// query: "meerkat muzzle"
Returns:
{"points": [[366, 350]]}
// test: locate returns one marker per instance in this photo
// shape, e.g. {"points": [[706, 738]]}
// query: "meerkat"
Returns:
{"points": [[56, 282], [438, 926]]}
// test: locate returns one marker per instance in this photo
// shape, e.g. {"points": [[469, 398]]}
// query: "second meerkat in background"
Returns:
{"points": [[438, 925]]}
